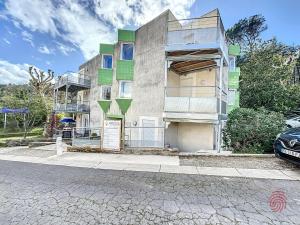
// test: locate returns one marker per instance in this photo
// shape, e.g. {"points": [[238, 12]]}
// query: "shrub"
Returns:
{"points": [[252, 131]]}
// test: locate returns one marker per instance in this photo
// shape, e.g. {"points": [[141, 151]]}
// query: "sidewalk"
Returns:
{"points": [[147, 163]]}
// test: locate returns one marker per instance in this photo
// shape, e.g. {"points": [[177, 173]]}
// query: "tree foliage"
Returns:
{"points": [[36, 96], [252, 131], [266, 78], [246, 32], [22, 96]]}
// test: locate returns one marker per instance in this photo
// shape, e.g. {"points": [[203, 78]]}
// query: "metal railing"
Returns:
{"points": [[86, 136], [80, 106], [145, 137], [73, 79], [205, 31]]}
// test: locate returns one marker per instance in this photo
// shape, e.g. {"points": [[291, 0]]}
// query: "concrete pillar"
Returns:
{"points": [[59, 146], [220, 104], [66, 97]]}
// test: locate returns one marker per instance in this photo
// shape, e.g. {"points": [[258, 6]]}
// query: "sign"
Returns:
{"points": [[111, 134]]}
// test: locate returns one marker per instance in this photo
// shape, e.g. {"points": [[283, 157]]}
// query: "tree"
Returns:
{"points": [[246, 32], [41, 82], [22, 96], [265, 78]]}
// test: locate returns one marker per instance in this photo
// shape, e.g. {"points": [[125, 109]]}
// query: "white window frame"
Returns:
{"points": [[121, 52], [120, 84], [232, 69], [112, 61], [102, 91], [230, 91]]}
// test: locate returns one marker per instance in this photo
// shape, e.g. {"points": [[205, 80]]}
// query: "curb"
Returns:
{"points": [[199, 155], [161, 168]]}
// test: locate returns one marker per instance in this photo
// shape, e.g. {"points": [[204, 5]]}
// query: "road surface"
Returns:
{"points": [[48, 194]]}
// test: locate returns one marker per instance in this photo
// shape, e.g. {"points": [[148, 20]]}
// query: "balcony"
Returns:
{"points": [[191, 103], [76, 107], [73, 81], [204, 33]]}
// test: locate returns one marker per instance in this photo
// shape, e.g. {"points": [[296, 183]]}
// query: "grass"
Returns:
{"points": [[6, 135]]}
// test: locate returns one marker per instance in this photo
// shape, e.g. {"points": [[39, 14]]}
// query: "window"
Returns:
{"points": [[127, 51], [231, 64], [231, 97], [106, 92], [107, 61], [125, 89]]}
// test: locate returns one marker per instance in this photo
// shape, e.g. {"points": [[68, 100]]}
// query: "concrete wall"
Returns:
{"points": [[190, 137], [193, 137]]}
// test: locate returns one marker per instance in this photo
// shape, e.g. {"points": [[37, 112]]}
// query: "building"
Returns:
{"points": [[166, 81]]}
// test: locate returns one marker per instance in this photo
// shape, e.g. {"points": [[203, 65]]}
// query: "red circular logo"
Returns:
{"points": [[277, 201]]}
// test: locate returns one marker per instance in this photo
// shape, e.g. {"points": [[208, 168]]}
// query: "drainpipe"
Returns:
{"points": [[220, 104]]}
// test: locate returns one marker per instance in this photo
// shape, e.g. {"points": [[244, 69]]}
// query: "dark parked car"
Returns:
{"points": [[287, 145]]}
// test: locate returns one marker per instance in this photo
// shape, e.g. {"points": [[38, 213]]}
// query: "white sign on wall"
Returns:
{"points": [[111, 134]]}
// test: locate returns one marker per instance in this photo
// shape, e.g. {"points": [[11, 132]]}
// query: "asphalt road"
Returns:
{"points": [[45, 194]]}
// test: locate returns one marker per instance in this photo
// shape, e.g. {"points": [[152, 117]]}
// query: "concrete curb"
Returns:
{"points": [[199, 155], [160, 168]]}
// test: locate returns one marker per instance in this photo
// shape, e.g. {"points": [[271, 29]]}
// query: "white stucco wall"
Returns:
{"points": [[190, 137]]}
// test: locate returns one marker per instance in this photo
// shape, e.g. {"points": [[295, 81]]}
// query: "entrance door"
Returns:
{"points": [[148, 133]]}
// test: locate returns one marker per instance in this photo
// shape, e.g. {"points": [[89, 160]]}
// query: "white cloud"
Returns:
{"points": [[89, 22], [45, 50], [36, 15], [13, 73], [26, 36], [64, 49], [6, 41]]}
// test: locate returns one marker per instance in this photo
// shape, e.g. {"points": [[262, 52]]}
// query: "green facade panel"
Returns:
{"points": [[124, 104], [234, 76], [126, 35], [107, 49], [234, 50], [105, 105], [125, 70], [105, 76]]}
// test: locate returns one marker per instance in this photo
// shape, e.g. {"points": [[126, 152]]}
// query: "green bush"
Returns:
{"points": [[252, 131]]}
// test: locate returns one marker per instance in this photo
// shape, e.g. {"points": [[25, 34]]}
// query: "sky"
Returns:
{"points": [[62, 34]]}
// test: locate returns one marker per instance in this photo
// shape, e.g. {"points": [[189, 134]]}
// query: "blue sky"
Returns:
{"points": [[62, 34]]}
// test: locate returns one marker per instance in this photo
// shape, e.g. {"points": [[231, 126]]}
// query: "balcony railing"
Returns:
{"points": [[204, 32], [72, 80], [193, 99], [72, 107]]}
